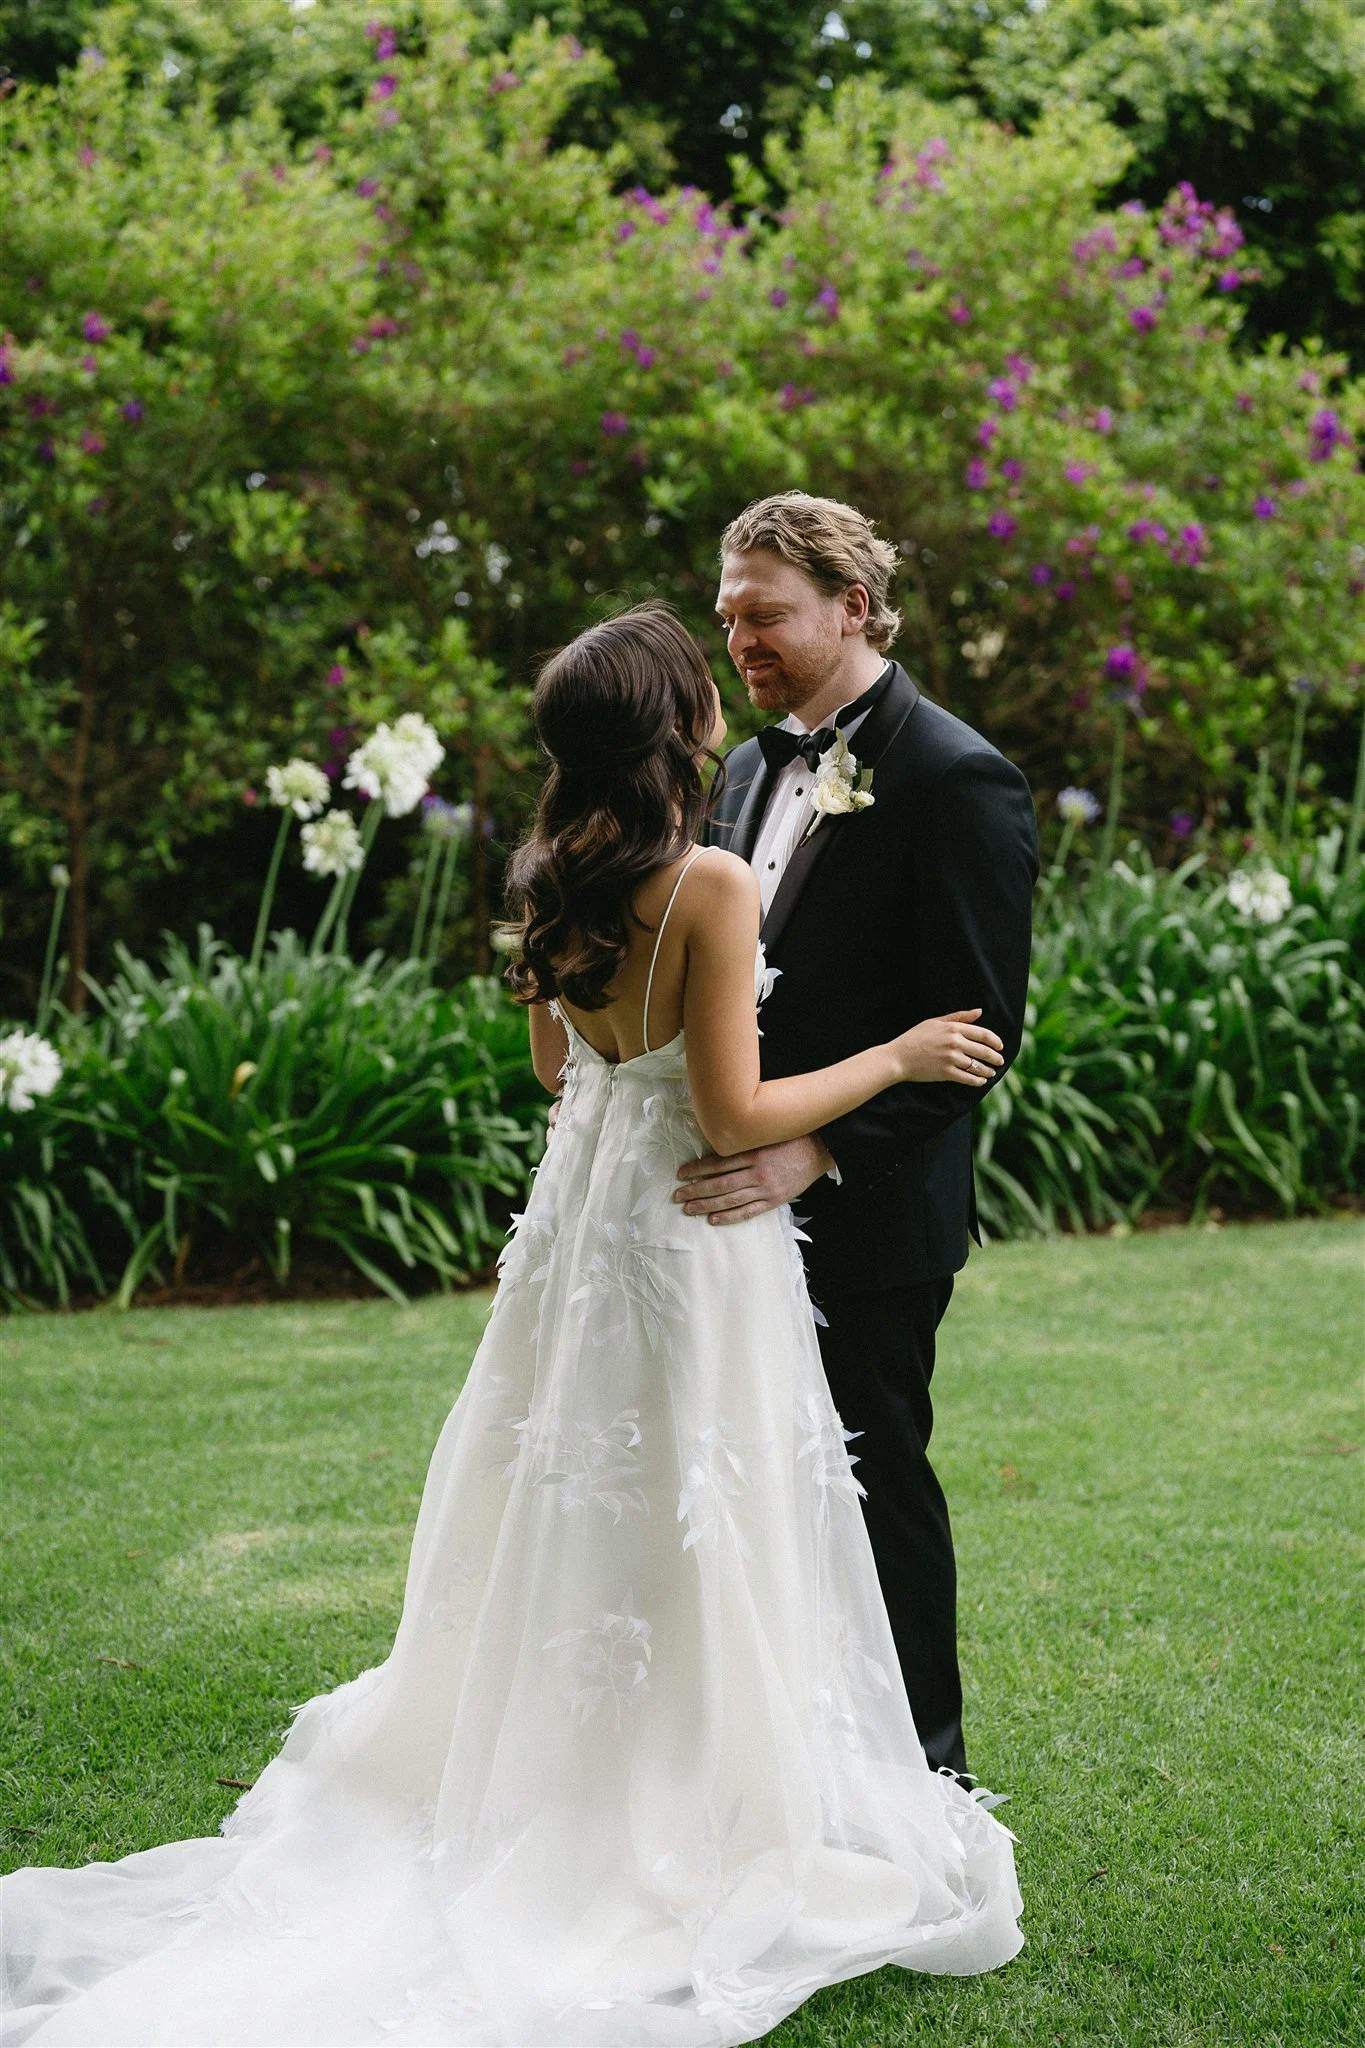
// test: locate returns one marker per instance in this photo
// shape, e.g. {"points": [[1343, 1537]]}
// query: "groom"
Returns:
{"points": [[908, 908]]}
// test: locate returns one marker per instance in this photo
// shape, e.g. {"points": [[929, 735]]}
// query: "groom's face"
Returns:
{"points": [[784, 635]]}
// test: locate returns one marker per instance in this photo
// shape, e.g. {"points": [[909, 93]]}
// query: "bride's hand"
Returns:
{"points": [[951, 1048]]}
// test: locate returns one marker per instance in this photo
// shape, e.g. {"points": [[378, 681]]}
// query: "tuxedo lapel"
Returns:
{"points": [[870, 743], [739, 837]]}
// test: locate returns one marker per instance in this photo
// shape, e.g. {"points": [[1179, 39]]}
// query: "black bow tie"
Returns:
{"points": [[779, 746]]}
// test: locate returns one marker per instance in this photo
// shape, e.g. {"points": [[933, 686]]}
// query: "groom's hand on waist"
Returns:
{"points": [[733, 1190]]}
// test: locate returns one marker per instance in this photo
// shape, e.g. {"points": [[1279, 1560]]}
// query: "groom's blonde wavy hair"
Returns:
{"points": [[831, 543]]}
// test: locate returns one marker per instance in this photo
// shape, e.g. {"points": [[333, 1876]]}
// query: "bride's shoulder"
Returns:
{"points": [[724, 878]]}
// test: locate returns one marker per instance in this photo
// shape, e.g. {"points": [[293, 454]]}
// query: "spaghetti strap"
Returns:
{"points": [[658, 937]]}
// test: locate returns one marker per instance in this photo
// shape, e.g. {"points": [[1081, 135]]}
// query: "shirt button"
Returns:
{"points": [[800, 792], [771, 865]]}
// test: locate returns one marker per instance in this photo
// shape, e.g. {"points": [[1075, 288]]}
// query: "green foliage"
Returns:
{"points": [[1177, 1055], [210, 1107], [437, 366]]}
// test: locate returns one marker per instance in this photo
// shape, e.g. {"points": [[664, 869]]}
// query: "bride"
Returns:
{"points": [[639, 1767]]}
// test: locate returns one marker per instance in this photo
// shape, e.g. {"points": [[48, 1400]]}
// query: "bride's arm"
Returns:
{"points": [[549, 1046], [736, 1110]]}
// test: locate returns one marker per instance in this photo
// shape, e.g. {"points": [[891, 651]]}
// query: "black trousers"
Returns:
{"points": [[878, 1352]]}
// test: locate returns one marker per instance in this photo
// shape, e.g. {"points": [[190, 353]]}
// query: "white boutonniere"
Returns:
{"points": [[839, 786]]}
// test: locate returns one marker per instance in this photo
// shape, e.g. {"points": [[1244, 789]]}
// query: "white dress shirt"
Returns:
{"points": [[788, 809], [786, 817]]}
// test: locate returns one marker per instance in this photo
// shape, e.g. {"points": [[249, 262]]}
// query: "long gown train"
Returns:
{"points": [[639, 1767]]}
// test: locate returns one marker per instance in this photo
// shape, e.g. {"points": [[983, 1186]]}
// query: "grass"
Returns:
{"points": [[1151, 1450]]}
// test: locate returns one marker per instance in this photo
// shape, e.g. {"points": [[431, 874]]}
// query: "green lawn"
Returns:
{"points": [[1151, 1447]]}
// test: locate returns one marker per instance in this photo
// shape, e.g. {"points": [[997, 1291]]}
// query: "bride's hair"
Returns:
{"points": [[624, 714]]}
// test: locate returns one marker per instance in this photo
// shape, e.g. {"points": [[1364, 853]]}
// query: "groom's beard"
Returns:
{"points": [[789, 681]]}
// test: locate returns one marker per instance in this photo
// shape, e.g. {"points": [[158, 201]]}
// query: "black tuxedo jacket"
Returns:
{"points": [[918, 905]]}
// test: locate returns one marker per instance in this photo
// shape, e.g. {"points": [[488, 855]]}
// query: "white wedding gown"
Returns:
{"points": [[639, 1767]]}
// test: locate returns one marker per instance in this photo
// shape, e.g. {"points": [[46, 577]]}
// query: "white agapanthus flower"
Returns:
{"points": [[1077, 806], [29, 1067], [396, 763], [1261, 895], [298, 786], [59, 874], [332, 846]]}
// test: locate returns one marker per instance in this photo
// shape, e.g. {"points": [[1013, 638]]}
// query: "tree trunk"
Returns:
{"points": [[76, 994], [478, 886]]}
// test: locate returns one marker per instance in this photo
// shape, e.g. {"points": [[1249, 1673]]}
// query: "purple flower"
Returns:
{"points": [[1121, 663], [1182, 824], [1245, 402], [336, 676], [1102, 420], [829, 299], [132, 409], [1263, 508], [87, 157], [987, 432], [630, 340], [384, 87], [1012, 469], [91, 442], [504, 81], [792, 398], [46, 452], [1066, 590], [580, 467], [1078, 472], [386, 42], [6, 368], [624, 230], [1019, 367], [367, 187], [95, 327], [1328, 433], [38, 406], [978, 474], [1229, 280], [1132, 266], [1148, 529], [644, 357], [1004, 392], [614, 423], [1189, 546], [1001, 525], [1099, 239], [777, 297], [1040, 573], [1143, 318], [959, 312]]}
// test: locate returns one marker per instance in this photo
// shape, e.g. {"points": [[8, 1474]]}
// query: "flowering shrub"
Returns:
{"points": [[379, 413]]}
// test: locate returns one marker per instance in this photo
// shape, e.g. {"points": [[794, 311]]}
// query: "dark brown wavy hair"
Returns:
{"points": [[623, 713]]}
